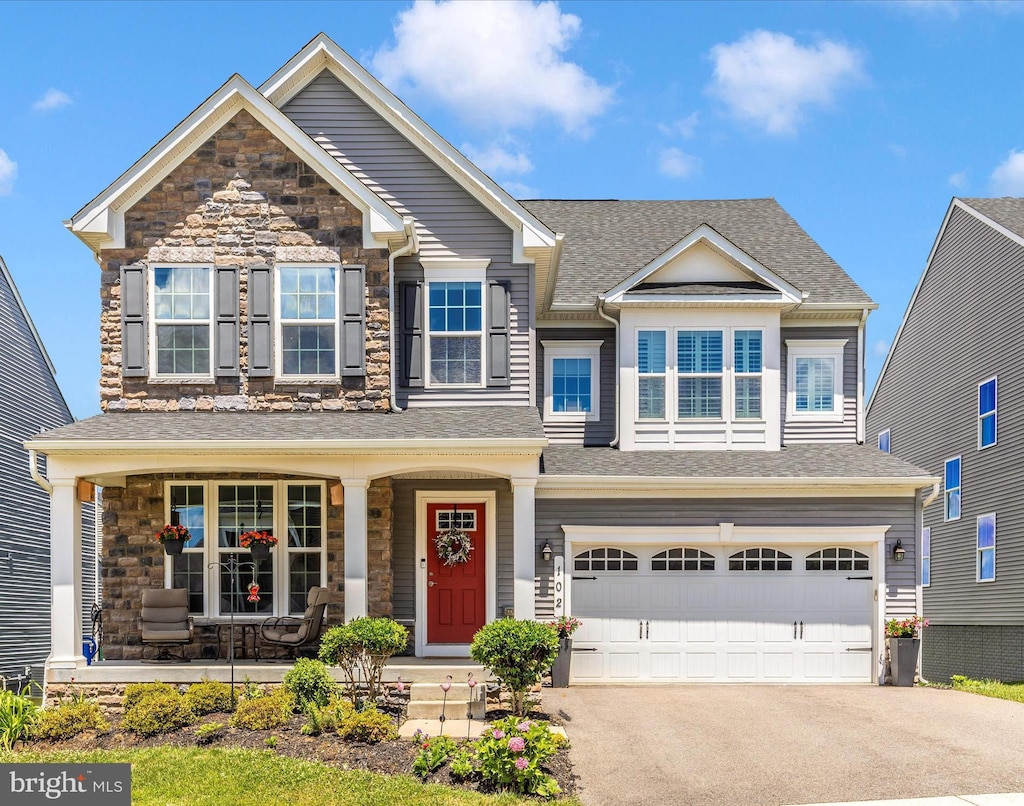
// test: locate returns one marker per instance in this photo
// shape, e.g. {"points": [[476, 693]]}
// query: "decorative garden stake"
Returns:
{"points": [[445, 686], [254, 592], [233, 565], [472, 685]]}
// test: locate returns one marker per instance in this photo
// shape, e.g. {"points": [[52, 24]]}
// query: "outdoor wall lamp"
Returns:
{"points": [[898, 552], [546, 551]]}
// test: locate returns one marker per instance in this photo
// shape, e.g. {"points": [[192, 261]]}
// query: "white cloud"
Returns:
{"points": [[880, 349], [677, 163], [681, 128], [1008, 177], [498, 160], [50, 100], [767, 79], [517, 190], [496, 64], [8, 173], [958, 180]]}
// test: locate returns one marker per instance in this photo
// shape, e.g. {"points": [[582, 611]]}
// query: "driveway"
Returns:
{"points": [[773, 745]]}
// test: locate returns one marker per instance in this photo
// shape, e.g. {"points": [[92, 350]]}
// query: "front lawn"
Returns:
{"points": [[990, 688], [167, 776]]}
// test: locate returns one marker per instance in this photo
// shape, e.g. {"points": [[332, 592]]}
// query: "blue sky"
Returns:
{"points": [[862, 119]]}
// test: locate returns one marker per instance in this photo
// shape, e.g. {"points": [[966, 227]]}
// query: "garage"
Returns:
{"points": [[779, 613]]}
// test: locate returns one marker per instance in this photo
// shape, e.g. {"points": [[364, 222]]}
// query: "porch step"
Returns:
{"points": [[432, 691], [455, 709], [421, 670]]}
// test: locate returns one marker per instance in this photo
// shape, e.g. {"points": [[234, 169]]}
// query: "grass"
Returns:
{"points": [[172, 776], [990, 688]]}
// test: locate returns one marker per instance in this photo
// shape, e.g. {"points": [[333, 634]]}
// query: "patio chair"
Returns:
{"points": [[293, 634], [165, 623]]}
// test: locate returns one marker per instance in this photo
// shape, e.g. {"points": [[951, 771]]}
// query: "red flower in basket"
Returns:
{"points": [[169, 532], [246, 539]]}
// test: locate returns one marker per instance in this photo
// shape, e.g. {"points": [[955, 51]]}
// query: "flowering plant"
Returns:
{"points": [[905, 628], [511, 752], [453, 546], [565, 626], [169, 532], [246, 539]]}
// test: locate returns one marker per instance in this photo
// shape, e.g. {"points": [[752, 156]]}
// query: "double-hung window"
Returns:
{"points": [[987, 548], [952, 491], [987, 413], [884, 441], [699, 368], [182, 322], [455, 333], [926, 556], [748, 367], [571, 380], [307, 321], [651, 369], [814, 387]]}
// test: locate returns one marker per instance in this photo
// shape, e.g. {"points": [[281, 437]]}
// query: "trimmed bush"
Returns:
{"points": [[370, 726], [361, 648], [67, 720], [322, 720], [139, 691], [518, 652], [310, 682], [208, 697], [157, 713], [263, 713]]}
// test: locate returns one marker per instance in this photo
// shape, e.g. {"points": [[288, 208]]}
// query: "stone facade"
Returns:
{"points": [[978, 651], [243, 198], [132, 559]]}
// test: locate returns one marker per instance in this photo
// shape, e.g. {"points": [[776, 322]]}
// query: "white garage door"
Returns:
{"points": [[652, 613]]}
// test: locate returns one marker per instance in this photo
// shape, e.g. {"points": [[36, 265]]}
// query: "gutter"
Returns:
{"points": [[615, 323], [861, 328], [412, 245], [37, 477], [930, 498]]}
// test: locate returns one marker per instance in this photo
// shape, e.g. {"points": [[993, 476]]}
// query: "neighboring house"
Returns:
{"points": [[946, 401], [320, 319], [30, 402]]}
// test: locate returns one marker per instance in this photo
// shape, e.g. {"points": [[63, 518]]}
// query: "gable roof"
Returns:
{"points": [[1007, 212], [607, 241], [28, 319]]}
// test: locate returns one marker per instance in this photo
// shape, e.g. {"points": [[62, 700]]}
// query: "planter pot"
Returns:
{"points": [[173, 547], [259, 551], [903, 654], [560, 668]]}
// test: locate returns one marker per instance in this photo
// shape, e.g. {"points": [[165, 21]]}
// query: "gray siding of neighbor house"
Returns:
{"points": [[404, 539], [974, 651], [846, 431], [598, 432], [899, 513], [29, 402], [964, 328]]}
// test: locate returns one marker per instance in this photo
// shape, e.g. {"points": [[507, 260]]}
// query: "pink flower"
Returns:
{"points": [[522, 763], [517, 744], [524, 726], [498, 734]]}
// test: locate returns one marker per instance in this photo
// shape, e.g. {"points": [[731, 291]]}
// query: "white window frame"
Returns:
{"points": [[926, 555], [725, 375], [590, 350], [472, 273], [737, 375], [946, 491], [666, 375], [994, 414], [978, 549], [815, 348], [888, 441], [280, 322], [154, 372]]}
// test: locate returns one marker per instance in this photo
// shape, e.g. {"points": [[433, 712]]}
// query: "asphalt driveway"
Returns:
{"points": [[773, 745]]}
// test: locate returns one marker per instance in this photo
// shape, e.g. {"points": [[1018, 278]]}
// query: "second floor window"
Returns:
{"points": [[181, 320], [700, 368], [884, 441], [455, 333], [814, 380], [987, 413], [308, 321], [651, 371], [952, 494], [926, 556]]}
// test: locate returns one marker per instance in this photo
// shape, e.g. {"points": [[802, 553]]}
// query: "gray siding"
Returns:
{"points": [[598, 432], [846, 431], [982, 653], [901, 580], [964, 328]]}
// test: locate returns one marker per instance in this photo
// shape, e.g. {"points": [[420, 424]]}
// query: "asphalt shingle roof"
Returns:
{"points": [[607, 241], [1008, 211]]}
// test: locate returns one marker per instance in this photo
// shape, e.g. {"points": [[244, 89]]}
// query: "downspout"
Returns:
{"points": [[930, 498], [37, 477], [412, 244], [615, 323], [860, 376]]}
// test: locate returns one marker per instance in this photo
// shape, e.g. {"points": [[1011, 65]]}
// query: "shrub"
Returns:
{"points": [[208, 697], [263, 713], [511, 752], [321, 720], [158, 713], [433, 754], [18, 717], [208, 732], [462, 763], [361, 648], [370, 726], [519, 652], [66, 720], [139, 691], [310, 682]]}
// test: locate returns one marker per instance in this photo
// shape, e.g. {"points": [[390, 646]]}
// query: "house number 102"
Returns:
{"points": [[559, 586]]}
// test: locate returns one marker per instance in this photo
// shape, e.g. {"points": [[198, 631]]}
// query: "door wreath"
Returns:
{"points": [[453, 546]]}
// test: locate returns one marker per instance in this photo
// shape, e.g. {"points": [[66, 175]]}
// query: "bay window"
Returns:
{"points": [[651, 373]]}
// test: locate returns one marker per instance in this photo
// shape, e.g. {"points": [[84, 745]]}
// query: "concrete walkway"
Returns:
{"points": [[1011, 799]]}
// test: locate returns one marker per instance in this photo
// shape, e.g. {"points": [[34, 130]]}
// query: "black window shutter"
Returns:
{"points": [[261, 323], [134, 362], [411, 315], [498, 347], [352, 325], [226, 345]]}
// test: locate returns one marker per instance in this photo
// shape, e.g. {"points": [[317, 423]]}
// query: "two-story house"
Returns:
{"points": [[320, 319], [945, 401]]}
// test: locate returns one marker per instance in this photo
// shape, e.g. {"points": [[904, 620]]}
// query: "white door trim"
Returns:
{"points": [[490, 501]]}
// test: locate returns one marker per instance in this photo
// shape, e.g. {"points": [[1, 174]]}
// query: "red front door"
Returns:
{"points": [[456, 594]]}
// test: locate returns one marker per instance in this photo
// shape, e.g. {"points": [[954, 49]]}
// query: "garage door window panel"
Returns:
{"points": [[837, 559], [760, 559], [683, 559], [605, 559]]}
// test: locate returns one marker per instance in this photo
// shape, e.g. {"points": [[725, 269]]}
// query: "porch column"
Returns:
{"points": [[65, 576], [524, 548], [355, 547]]}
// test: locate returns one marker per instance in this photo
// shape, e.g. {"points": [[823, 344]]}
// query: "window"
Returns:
{"points": [[952, 481], [455, 333], [837, 559], [683, 559], [242, 508], [987, 548], [606, 559], [814, 380], [651, 373], [926, 556], [188, 569], [760, 559], [884, 441], [307, 321], [699, 368], [571, 380], [987, 413], [748, 365], [183, 327], [445, 519], [305, 525]]}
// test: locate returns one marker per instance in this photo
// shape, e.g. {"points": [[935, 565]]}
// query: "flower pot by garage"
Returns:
{"points": [[173, 547], [259, 551], [903, 654], [560, 668]]}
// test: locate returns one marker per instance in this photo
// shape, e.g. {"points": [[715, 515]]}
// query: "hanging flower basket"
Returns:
{"points": [[453, 546], [258, 543], [173, 538]]}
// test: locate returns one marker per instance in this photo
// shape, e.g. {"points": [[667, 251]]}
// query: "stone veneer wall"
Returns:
{"points": [[132, 559], [976, 651], [244, 195]]}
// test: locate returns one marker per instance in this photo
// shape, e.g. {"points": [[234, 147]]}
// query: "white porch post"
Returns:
{"points": [[65, 576], [524, 549], [355, 547]]}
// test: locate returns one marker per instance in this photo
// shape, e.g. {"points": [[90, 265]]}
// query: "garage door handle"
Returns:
{"points": [[794, 630], [801, 631], [648, 629], [860, 577], [641, 629], [584, 577]]}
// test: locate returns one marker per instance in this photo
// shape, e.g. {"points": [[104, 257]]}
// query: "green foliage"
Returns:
{"points": [[157, 712], [18, 717], [139, 691], [511, 752], [989, 688], [270, 742], [265, 712], [463, 763], [208, 697], [67, 719], [208, 731], [361, 648], [518, 652], [310, 682], [322, 720], [370, 726], [433, 754]]}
